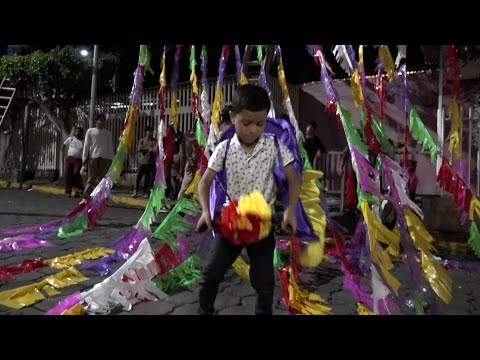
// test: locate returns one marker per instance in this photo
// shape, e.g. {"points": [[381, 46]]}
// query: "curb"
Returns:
{"points": [[57, 191]]}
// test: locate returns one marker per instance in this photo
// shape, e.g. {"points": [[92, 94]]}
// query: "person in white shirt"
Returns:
{"points": [[97, 153], [73, 162]]}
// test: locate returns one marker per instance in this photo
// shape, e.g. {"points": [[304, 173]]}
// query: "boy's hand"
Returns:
{"points": [[289, 220], [205, 222]]}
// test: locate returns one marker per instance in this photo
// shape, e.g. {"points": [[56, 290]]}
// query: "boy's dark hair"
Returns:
{"points": [[313, 124], [250, 97], [149, 128], [100, 117], [225, 116]]}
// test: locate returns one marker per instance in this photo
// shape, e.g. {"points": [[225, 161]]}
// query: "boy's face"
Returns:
{"points": [[249, 125]]}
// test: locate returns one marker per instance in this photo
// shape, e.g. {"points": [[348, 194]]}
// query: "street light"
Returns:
{"points": [[84, 52], [93, 93]]}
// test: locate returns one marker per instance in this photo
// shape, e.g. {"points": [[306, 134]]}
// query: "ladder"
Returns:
{"points": [[6, 97], [251, 68]]}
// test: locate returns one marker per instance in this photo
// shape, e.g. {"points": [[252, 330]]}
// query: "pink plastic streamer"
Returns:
{"points": [[33, 229], [65, 304]]}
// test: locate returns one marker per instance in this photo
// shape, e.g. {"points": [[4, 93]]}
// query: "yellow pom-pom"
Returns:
{"points": [[313, 255], [254, 204]]}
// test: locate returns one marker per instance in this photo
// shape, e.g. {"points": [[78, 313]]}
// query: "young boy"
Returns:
{"points": [[249, 163]]}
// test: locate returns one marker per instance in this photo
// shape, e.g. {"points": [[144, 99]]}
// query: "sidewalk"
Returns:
{"points": [[120, 196]]}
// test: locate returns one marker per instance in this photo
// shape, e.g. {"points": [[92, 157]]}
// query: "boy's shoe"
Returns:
{"points": [[134, 195], [164, 209]]}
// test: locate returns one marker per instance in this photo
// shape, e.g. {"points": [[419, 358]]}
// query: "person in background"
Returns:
{"points": [[73, 163], [97, 154], [147, 150], [313, 146]]}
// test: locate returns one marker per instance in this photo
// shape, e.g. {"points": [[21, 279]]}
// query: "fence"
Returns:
{"points": [[44, 142]]}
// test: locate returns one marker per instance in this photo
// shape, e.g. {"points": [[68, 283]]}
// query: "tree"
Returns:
{"points": [[57, 79]]}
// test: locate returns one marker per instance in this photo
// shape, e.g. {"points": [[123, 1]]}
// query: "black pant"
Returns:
{"points": [[149, 172], [222, 257]]}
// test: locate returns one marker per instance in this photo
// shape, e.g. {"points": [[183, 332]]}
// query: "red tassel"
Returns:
{"points": [[7, 273], [226, 52], [166, 259], [454, 71], [449, 181]]}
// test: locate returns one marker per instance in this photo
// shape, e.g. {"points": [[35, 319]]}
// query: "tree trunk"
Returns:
{"points": [[59, 125]]}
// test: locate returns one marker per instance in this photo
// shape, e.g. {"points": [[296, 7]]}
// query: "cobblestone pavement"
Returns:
{"points": [[235, 297]]}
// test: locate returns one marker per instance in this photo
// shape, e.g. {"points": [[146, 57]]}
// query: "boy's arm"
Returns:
{"points": [[203, 197], [293, 194]]}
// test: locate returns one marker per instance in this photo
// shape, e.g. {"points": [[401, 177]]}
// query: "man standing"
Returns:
{"points": [[313, 145], [73, 162], [97, 153], [188, 160], [147, 149]]}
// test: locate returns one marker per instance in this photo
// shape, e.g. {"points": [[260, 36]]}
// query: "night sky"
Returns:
{"points": [[299, 66]]}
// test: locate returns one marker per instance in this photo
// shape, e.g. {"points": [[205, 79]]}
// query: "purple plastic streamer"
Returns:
{"points": [[131, 244], [33, 229], [327, 83], [351, 55], [460, 169], [263, 80], [65, 304], [238, 62], [457, 265], [361, 293], [175, 67], [103, 266], [221, 68], [183, 246], [311, 50], [20, 242], [137, 87], [278, 53]]}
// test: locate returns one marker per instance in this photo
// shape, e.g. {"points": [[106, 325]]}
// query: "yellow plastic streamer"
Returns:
{"points": [[192, 188], [27, 295], [387, 61], [282, 80], [363, 310], [174, 110], [216, 107], [163, 77], [474, 208], [379, 233], [129, 132], [421, 238], [436, 276], [356, 89], [75, 310], [309, 196], [241, 268], [305, 301], [455, 136], [243, 79], [77, 258], [360, 55]]}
